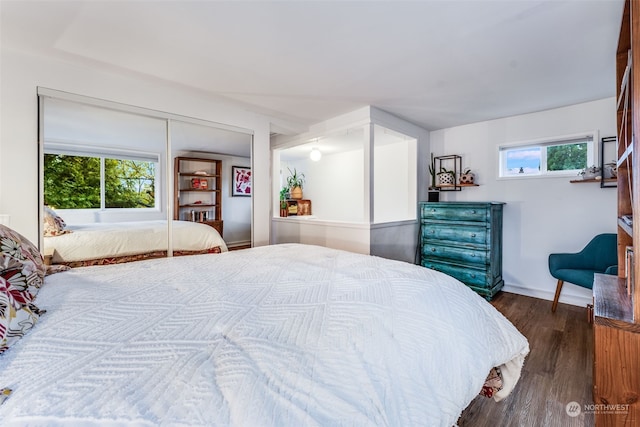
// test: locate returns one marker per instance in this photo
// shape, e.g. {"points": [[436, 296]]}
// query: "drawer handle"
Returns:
{"points": [[473, 276], [473, 211], [473, 234], [432, 231], [433, 249], [473, 255], [433, 210]]}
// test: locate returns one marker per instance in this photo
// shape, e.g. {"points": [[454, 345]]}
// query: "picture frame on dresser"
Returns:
{"points": [[241, 181]]}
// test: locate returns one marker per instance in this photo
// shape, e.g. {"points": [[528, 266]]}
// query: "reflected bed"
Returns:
{"points": [[109, 243]]}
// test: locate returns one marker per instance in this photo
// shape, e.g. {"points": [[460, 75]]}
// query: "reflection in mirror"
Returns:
{"points": [[203, 180], [103, 183], [107, 184]]}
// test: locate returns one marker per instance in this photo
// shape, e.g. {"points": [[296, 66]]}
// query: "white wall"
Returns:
{"points": [[541, 215], [236, 211], [22, 73]]}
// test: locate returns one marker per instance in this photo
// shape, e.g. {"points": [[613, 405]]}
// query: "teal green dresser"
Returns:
{"points": [[464, 240]]}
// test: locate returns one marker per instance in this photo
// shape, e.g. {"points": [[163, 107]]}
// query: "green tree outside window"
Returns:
{"points": [[73, 182]]}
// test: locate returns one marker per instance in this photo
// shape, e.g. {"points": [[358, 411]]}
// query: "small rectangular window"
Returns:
{"points": [[81, 181], [564, 156]]}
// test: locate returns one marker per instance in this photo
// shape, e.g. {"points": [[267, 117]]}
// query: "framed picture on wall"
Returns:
{"points": [[240, 181]]}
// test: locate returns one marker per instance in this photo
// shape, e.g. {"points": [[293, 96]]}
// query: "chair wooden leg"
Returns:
{"points": [[555, 299]]}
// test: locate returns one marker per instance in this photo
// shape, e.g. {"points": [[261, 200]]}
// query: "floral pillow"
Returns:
{"points": [[15, 323], [21, 263], [22, 273], [53, 223]]}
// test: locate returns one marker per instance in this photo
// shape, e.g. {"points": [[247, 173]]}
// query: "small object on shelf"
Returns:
{"points": [[195, 183], [433, 195], [592, 172], [200, 173], [628, 219], [204, 184], [446, 177], [467, 177], [300, 207], [295, 183]]}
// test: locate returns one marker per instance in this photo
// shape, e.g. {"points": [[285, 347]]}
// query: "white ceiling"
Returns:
{"points": [[436, 63]]}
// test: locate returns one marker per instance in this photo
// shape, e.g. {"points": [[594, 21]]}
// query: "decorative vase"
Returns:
{"points": [[467, 178], [296, 193], [445, 179]]}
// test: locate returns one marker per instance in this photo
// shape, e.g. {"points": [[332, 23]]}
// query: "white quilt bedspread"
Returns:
{"points": [[285, 335], [106, 240]]}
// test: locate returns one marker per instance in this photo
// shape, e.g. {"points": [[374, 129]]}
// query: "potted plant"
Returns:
{"points": [[433, 193], [284, 192], [446, 177], [295, 182]]}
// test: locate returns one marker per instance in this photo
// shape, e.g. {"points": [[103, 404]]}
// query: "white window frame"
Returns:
{"points": [[118, 154], [591, 138]]}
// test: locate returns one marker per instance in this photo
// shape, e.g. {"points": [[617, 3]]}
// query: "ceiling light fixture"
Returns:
{"points": [[315, 154]]}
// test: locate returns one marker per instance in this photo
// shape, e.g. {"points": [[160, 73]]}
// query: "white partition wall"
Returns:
{"points": [[394, 176], [364, 189]]}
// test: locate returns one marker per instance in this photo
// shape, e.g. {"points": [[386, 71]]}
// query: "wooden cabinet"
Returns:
{"points": [[198, 191], [616, 369], [464, 240]]}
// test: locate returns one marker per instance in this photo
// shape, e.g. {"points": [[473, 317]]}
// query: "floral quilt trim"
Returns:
{"points": [[53, 269], [138, 257], [492, 384]]}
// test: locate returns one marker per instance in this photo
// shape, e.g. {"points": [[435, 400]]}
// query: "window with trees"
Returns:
{"points": [[553, 157], [73, 181]]}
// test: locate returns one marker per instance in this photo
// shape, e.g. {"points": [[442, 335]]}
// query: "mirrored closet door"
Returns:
{"points": [[110, 183]]}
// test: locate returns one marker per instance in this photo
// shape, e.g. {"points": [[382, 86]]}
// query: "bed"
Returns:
{"points": [[81, 245], [282, 335]]}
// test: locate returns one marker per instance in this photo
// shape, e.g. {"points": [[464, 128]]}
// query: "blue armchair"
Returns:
{"points": [[599, 256]]}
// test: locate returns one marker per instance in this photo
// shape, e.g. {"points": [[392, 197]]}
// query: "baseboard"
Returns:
{"points": [[565, 297], [239, 245]]}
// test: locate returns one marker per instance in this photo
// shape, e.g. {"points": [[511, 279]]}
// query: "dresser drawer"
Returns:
{"points": [[452, 253], [469, 276], [465, 234], [454, 213]]}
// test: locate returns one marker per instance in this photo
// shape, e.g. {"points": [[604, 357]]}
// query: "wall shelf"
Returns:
{"points": [[456, 161], [455, 185], [586, 181]]}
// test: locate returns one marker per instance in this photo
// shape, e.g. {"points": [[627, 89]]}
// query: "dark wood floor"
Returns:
{"points": [[558, 370]]}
